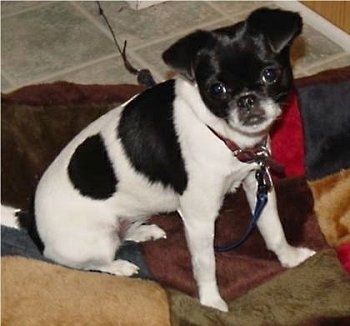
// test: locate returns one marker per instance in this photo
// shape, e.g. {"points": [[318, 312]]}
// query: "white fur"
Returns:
{"points": [[83, 233], [8, 216], [141, 233]]}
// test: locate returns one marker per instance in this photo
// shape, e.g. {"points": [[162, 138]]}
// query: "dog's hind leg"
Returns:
{"points": [[92, 249], [92, 259], [117, 267]]}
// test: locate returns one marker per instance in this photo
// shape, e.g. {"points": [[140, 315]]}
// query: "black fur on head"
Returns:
{"points": [[277, 27], [239, 66]]}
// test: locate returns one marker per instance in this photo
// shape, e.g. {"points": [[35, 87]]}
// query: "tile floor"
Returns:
{"points": [[50, 41]]}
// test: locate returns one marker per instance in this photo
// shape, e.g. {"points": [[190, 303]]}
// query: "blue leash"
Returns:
{"points": [[264, 184]]}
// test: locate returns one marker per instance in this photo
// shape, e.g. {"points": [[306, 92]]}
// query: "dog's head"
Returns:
{"points": [[243, 71]]}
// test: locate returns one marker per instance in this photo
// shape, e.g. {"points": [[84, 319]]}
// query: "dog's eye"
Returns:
{"points": [[217, 90], [270, 75]]}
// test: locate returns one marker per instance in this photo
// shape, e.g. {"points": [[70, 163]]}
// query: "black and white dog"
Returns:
{"points": [[162, 151]]}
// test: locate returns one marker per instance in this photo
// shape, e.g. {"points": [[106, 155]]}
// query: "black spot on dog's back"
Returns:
{"points": [[91, 171], [147, 132]]}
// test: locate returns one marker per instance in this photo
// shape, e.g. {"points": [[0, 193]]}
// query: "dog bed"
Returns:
{"points": [[314, 204]]}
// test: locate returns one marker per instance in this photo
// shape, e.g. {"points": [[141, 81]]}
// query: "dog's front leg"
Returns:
{"points": [[199, 210], [271, 229]]}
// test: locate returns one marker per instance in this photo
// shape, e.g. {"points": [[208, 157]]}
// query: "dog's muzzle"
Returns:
{"points": [[250, 111]]}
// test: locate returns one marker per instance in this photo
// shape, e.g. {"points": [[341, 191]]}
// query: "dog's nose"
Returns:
{"points": [[246, 101]]}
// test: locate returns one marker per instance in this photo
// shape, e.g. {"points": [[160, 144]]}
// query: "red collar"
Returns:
{"points": [[259, 153]]}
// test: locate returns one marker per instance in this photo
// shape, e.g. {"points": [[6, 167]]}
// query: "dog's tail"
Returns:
{"points": [[21, 220], [9, 217]]}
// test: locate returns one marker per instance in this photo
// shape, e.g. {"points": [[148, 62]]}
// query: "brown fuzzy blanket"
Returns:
{"points": [[37, 121], [248, 266]]}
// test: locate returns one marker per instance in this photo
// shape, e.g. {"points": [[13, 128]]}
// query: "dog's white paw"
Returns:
{"points": [[217, 303], [294, 256], [119, 267], [145, 233]]}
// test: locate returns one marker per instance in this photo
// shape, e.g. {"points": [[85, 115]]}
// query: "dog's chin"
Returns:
{"points": [[255, 127], [254, 120], [255, 124]]}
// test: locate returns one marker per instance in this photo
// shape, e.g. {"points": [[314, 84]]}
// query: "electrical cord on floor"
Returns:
{"points": [[144, 76]]}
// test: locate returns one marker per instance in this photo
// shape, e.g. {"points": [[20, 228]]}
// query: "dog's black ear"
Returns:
{"points": [[279, 27], [182, 54]]}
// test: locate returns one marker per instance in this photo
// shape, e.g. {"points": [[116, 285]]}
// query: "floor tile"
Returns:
{"points": [[14, 7], [146, 25], [312, 47], [337, 62], [49, 39], [152, 54], [5, 84], [109, 71]]}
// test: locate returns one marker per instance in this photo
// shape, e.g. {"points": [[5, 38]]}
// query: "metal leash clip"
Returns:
{"points": [[263, 177]]}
